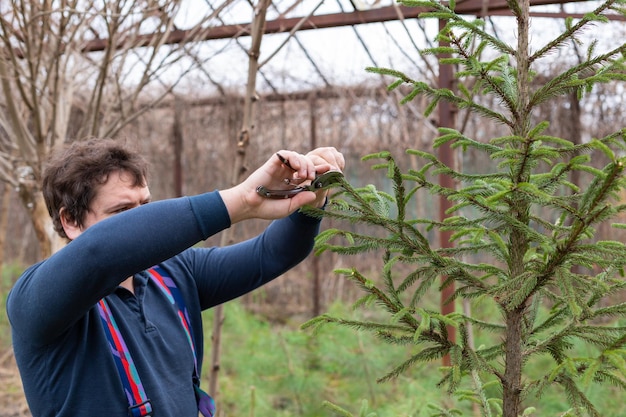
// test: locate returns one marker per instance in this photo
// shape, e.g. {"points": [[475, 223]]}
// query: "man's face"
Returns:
{"points": [[117, 194]]}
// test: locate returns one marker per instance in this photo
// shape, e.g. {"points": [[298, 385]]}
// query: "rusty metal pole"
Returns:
{"points": [[446, 119]]}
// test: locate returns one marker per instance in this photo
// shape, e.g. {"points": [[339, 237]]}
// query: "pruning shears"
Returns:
{"points": [[321, 182]]}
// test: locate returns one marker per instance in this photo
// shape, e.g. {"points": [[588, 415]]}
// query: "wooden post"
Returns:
{"points": [[315, 260], [177, 138], [258, 27]]}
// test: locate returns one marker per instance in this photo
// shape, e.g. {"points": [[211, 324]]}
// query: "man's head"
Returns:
{"points": [[74, 177]]}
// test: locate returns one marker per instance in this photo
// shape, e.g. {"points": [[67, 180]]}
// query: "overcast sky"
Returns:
{"points": [[339, 54]]}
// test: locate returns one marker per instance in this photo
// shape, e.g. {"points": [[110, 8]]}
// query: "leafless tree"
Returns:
{"points": [[75, 69]]}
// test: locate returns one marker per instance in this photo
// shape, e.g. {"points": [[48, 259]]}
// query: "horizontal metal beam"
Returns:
{"points": [[383, 14]]}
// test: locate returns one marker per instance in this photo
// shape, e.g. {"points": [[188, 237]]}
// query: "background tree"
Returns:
{"points": [[74, 69], [524, 233], [238, 169]]}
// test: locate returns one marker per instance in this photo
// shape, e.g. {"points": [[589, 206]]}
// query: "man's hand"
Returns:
{"points": [[325, 159], [243, 202]]}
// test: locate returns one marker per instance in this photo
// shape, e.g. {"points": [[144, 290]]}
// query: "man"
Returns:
{"points": [[96, 305]]}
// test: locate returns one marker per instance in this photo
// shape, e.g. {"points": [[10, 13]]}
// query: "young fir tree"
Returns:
{"points": [[553, 281]]}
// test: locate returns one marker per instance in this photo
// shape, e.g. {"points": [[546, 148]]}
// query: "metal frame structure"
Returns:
{"points": [[356, 17], [446, 114]]}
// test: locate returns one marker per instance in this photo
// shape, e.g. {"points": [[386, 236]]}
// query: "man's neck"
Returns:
{"points": [[128, 284]]}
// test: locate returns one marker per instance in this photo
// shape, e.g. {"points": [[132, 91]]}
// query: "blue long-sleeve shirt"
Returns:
{"points": [[65, 362]]}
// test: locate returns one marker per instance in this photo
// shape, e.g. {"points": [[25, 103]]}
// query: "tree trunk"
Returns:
{"points": [[49, 241], [315, 261], [239, 168], [511, 386], [4, 221], [518, 244]]}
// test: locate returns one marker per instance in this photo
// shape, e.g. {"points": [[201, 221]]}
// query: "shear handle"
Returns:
{"points": [[278, 194]]}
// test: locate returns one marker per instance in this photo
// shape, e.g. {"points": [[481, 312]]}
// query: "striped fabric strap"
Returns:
{"points": [[139, 404], [206, 404]]}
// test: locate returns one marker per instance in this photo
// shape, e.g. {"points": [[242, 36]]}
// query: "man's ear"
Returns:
{"points": [[70, 226]]}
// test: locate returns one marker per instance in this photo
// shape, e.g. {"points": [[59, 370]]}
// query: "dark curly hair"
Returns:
{"points": [[72, 176]]}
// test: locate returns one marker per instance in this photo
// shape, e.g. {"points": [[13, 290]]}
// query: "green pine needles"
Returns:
{"points": [[523, 236]]}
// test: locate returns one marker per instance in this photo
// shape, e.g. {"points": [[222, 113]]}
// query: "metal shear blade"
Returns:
{"points": [[322, 181]]}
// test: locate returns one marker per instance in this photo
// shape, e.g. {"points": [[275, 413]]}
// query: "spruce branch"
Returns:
{"points": [[424, 356], [575, 395], [436, 95], [445, 12], [585, 74], [317, 322], [502, 85], [571, 30], [337, 409]]}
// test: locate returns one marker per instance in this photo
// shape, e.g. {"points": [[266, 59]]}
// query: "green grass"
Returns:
{"points": [[283, 371], [8, 275], [271, 371], [280, 370]]}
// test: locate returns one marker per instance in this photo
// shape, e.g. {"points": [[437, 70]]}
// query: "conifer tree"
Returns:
{"points": [[531, 229]]}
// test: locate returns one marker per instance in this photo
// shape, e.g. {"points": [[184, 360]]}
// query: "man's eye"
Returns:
{"points": [[121, 209]]}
